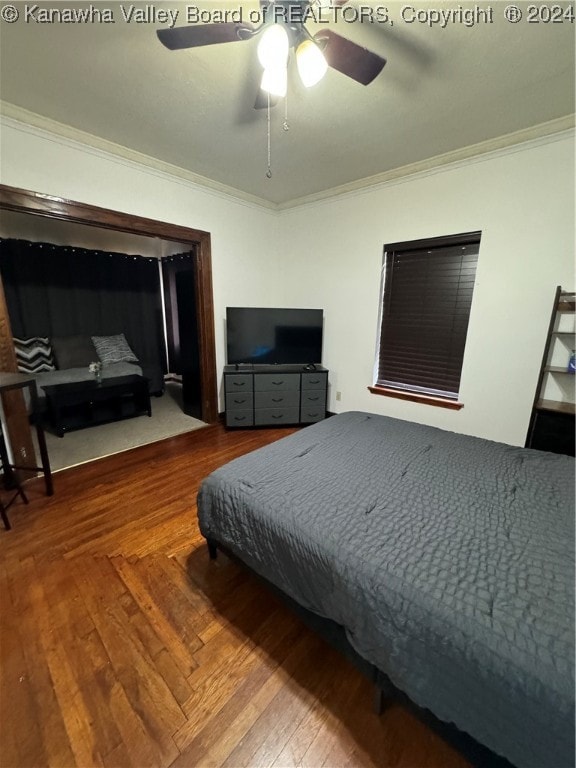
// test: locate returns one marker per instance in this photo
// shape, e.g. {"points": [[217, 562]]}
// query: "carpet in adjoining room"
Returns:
{"points": [[83, 445]]}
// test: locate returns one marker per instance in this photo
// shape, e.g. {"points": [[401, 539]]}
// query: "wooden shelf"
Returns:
{"points": [[566, 302], [557, 406], [557, 369], [552, 421]]}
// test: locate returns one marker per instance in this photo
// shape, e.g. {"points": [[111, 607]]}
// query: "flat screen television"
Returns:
{"points": [[266, 336]]}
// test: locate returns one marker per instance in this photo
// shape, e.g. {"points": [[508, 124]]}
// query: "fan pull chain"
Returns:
{"points": [[286, 124], [269, 171]]}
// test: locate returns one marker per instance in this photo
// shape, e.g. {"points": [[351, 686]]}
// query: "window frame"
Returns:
{"points": [[415, 392]]}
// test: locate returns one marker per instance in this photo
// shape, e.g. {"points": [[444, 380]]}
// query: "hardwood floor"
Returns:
{"points": [[122, 644]]}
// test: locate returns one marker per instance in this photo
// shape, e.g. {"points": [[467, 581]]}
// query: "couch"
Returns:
{"points": [[64, 359]]}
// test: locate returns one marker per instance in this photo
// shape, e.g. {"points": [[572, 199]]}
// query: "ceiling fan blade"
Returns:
{"points": [[205, 34], [349, 58]]}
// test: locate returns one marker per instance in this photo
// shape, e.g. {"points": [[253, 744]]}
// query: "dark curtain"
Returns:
{"points": [[54, 290], [181, 318], [178, 274]]}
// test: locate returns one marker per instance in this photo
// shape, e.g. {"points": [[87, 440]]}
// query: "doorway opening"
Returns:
{"points": [[199, 280]]}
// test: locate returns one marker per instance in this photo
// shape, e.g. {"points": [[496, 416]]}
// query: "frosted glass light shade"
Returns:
{"points": [[275, 81], [311, 63], [273, 47]]}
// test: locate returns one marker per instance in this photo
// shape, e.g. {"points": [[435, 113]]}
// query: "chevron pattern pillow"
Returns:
{"points": [[34, 355]]}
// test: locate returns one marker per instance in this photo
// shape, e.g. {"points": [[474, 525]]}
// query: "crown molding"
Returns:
{"points": [[23, 119], [543, 133], [527, 138]]}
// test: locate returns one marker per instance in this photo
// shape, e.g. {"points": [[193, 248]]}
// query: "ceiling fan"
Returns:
{"points": [[283, 27]]}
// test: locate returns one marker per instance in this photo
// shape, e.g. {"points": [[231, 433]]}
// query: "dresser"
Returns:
{"points": [[274, 394]]}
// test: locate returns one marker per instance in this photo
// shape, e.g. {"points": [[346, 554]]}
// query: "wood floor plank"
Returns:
{"points": [[206, 621], [219, 736], [34, 623], [155, 596], [142, 749], [124, 645], [319, 720], [20, 744], [22, 741], [131, 668], [252, 664], [283, 713], [330, 746], [81, 710], [73, 654]]}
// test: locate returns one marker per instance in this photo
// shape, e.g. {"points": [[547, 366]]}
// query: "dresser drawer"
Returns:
{"points": [[264, 416], [276, 382], [280, 399], [310, 414], [238, 382], [314, 398], [240, 418], [314, 380], [239, 401]]}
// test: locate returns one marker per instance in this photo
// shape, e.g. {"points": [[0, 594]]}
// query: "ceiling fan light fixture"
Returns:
{"points": [[275, 81], [312, 65], [273, 47]]}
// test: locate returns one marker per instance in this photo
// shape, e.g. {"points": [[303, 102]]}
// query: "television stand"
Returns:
{"points": [[272, 395]]}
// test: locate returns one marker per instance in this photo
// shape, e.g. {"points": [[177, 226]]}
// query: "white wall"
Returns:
{"points": [[523, 202], [329, 255], [245, 237]]}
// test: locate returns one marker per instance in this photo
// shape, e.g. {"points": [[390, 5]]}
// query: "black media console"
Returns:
{"points": [[80, 404], [265, 395]]}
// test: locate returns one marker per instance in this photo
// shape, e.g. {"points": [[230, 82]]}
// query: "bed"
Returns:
{"points": [[447, 559]]}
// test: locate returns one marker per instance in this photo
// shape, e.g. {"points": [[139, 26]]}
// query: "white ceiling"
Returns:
{"points": [[441, 90]]}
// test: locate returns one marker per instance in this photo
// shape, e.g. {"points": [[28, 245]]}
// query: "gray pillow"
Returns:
{"points": [[74, 351], [114, 349]]}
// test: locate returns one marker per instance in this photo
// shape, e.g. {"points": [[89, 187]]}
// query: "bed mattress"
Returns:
{"points": [[448, 559]]}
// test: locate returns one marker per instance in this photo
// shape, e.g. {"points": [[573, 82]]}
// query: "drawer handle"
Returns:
{"points": [[313, 398], [277, 416], [277, 383], [314, 381], [239, 383], [239, 418], [239, 402], [277, 399], [313, 415]]}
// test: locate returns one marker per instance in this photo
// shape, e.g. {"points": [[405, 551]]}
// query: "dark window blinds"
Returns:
{"points": [[428, 287]]}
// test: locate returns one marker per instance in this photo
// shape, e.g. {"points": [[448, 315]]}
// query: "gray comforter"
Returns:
{"points": [[448, 559]]}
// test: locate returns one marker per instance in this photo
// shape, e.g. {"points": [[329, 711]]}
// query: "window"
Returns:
{"points": [[426, 298]]}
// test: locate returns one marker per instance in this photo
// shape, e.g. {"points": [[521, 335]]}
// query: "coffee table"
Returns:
{"points": [[81, 404]]}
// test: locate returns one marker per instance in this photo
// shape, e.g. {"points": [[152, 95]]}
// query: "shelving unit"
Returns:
{"points": [[553, 414]]}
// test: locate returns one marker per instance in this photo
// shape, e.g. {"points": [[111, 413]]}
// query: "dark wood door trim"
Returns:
{"points": [[38, 204]]}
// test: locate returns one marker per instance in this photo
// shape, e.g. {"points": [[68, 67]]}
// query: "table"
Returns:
{"points": [[81, 404], [10, 382]]}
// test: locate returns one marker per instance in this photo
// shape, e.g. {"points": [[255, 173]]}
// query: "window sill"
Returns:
{"points": [[417, 397]]}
